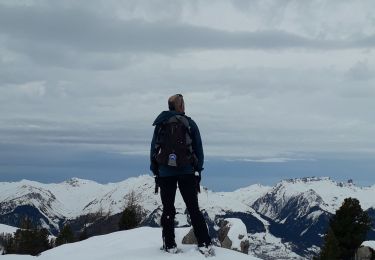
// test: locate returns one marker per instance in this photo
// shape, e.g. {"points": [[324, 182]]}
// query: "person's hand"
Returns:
{"points": [[156, 177], [155, 169], [198, 177]]}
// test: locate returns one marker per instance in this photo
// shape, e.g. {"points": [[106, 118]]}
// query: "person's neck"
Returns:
{"points": [[177, 111]]}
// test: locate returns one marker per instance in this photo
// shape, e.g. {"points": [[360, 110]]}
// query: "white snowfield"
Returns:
{"points": [[135, 244], [370, 244], [237, 228], [7, 229]]}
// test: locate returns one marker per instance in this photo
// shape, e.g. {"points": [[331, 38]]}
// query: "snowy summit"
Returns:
{"points": [[135, 244]]}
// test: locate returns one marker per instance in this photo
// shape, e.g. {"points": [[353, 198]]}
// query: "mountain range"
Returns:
{"points": [[284, 221]]}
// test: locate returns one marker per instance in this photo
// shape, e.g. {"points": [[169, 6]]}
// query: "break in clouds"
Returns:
{"points": [[263, 79]]}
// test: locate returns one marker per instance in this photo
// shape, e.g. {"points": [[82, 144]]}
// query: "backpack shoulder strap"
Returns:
{"points": [[184, 121]]}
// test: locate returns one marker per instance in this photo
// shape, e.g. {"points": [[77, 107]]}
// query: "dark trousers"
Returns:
{"points": [[187, 186]]}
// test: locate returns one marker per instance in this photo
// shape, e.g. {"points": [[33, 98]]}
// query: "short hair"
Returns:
{"points": [[175, 101]]}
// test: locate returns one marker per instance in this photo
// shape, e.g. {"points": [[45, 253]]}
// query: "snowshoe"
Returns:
{"points": [[172, 249], [207, 251]]}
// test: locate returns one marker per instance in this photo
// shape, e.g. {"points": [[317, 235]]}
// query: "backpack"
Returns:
{"points": [[174, 144]]}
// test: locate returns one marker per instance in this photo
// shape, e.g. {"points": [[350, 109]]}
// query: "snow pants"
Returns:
{"points": [[187, 187]]}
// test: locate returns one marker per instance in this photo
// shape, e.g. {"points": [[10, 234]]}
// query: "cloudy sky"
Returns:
{"points": [[278, 88]]}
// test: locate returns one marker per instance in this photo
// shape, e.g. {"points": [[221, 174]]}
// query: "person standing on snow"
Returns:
{"points": [[177, 158]]}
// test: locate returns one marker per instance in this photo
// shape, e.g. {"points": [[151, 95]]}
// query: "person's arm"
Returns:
{"points": [[153, 164], [197, 145]]}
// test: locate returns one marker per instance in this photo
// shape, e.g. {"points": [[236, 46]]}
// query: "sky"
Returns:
{"points": [[279, 89]]}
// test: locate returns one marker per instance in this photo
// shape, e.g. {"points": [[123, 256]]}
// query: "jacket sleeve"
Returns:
{"points": [[197, 145], [153, 163]]}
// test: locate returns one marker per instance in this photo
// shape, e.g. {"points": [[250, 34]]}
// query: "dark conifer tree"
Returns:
{"points": [[132, 215], [42, 242], [28, 240], [65, 236], [128, 218], [347, 230], [331, 249], [7, 241], [83, 235]]}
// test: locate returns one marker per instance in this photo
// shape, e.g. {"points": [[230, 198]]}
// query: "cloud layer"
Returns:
{"points": [[263, 79]]}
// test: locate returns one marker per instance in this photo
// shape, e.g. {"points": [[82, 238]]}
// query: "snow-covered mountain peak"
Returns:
{"points": [[253, 187], [296, 207], [25, 182], [316, 181], [307, 179], [75, 182], [318, 191]]}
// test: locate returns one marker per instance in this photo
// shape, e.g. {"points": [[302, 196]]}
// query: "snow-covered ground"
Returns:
{"points": [[370, 244], [135, 244], [7, 229], [237, 230]]}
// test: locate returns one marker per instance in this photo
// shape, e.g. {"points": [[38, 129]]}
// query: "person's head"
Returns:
{"points": [[176, 103]]}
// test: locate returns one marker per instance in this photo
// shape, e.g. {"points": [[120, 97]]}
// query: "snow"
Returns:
{"points": [[237, 228], [314, 215], [271, 247], [241, 200], [181, 220], [332, 193], [322, 192], [75, 197], [303, 232], [370, 244], [7, 229], [136, 244], [68, 199]]}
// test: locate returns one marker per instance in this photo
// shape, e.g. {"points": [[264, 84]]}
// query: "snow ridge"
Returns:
{"points": [[135, 244]]}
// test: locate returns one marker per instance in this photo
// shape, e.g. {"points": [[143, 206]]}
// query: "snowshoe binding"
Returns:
{"points": [[207, 250], [172, 249]]}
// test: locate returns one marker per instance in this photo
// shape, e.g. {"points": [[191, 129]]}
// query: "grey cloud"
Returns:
{"points": [[48, 55], [272, 11], [367, 42], [315, 18], [81, 30], [51, 132], [361, 71], [293, 110], [258, 82], [113, 76]]}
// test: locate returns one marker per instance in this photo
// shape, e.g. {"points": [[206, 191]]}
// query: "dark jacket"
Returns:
{"points": [[165, 171]]}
